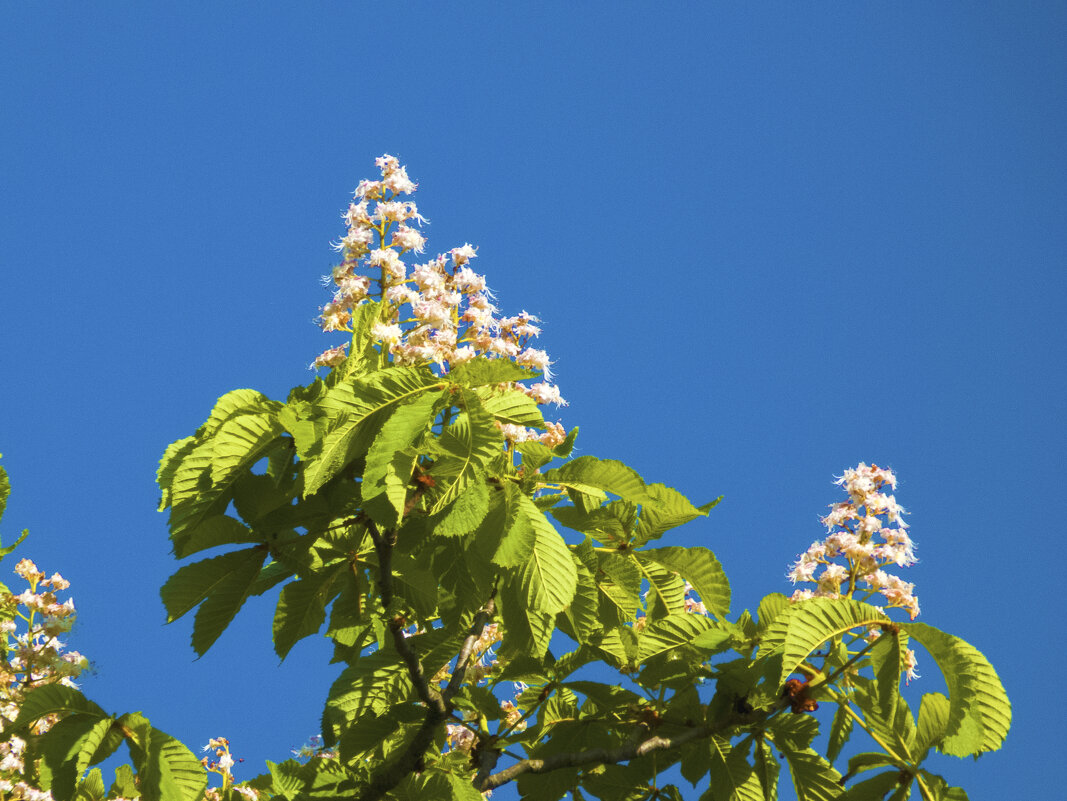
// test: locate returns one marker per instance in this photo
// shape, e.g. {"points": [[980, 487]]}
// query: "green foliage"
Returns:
{"points": [[404, 519]]}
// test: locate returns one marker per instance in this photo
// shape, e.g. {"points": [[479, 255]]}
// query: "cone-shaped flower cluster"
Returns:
{"points": [[31, 623], [439, 312], [867, 535]]}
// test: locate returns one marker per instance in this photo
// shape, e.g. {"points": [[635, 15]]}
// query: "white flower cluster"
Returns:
{"points": [[439, 312], [863, 541], [31, 623], [222, 765]]}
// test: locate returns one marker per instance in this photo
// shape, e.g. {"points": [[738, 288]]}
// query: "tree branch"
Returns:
{"points": [[600, 756], [438, 705]]}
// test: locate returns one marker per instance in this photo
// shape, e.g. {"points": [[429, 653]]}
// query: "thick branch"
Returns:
{"points": [[439, 706], [383, 544], [481, 620]]}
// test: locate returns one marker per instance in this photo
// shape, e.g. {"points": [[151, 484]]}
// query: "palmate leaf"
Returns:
{"points": [[590, 475], [700, 568], [51, 699], [486, 372], [840, 729], [233, 404], [301, 609], [666, 589], [91, 788], [979, 710], [933, 721], [467, 512], [549, 577], [732, 777], [69, 748], [373, 683], [354, 407], [767, 768], [386, 477], [512, 406], [471, 443], [618, 579], [581, 613], [168, 466], [528, 630], [814, 779], [664, 508], [220, 585], [675, 631], [813, 622], [202, 482], [166, 769]]}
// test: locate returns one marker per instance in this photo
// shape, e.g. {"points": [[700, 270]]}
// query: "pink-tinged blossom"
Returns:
{"points": [[330, 358], [537, 359], [408, 239], [554, 436], [544, 393], [462, 255], [867, 543], [369, 189], [429, 278], [400, 294], [389, 334], [27, 570], [466, 280], [358, 215]]}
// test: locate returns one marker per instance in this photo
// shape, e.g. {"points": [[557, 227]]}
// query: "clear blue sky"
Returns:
{"points": [[768, 241]]}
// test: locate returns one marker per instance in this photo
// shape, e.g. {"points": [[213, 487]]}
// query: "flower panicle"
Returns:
{"points": [[866, 535], [438, 312]]}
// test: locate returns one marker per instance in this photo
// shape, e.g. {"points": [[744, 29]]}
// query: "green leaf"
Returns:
{"points": [[701, 569], [353, 405], [91, 788], [664, 508], [166, 769], [979, 710], [588, 474], [51, 699], [769, 609], [234, 404], [483, 372], [510, 536], [199, 488], [840, 730], [933, 721], [220, 585], [168, 466], [213, 531], [814, 779], [513, 406], [387, 475], [467, 512], [767, 770], [125, 785], [618, 579], [732, 778], [877, 788], [940, 789], [581, 614], [813, 622], [549, 577], [301, 609], [471, 442], [675, 631], [68, 749], [528, 630]]}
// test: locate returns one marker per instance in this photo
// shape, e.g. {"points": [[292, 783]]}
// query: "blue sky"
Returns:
{"points": [[768, 242]]}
